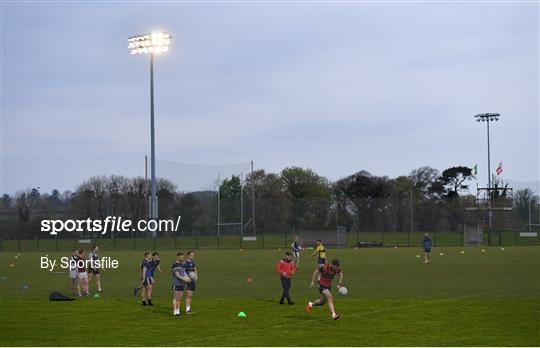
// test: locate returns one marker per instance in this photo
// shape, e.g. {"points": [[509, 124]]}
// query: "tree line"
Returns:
{"points": [[295, 198]]}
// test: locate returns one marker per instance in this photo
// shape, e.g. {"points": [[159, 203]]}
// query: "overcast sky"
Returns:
{"points": [[337, 87]]}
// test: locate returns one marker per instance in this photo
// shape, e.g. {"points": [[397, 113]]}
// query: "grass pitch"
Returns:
{"points": [[489, 298]]}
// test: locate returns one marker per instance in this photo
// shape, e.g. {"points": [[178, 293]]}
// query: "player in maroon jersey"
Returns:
{"points": [[327, 273], [82, 273]]}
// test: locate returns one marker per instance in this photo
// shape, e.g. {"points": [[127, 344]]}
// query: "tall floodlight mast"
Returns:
{"points": [[152, 44], [488, 117]]}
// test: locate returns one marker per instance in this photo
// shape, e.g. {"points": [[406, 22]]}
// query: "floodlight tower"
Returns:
{"points": [[487, 117], [152, 44]]}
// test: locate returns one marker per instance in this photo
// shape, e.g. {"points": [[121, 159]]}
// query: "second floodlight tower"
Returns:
{"points": [[152, 44], [488, 117]]}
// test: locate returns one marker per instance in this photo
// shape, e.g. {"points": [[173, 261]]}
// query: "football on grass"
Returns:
{"points": [[343, 290], [193, 276]]}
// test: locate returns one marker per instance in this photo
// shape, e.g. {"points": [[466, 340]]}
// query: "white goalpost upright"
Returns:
{"points": [[241, 225], [474, 234], [189, 178], [342, 237]]}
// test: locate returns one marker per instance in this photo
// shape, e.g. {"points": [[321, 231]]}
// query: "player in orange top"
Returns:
{"points": [[327, 273], [285, 268]]}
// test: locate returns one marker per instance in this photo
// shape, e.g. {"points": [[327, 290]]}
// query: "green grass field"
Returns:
{"points": [[471, 299]]}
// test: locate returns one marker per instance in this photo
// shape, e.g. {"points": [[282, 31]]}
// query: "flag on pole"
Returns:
{"points": [[474, 170], [499, 169]]}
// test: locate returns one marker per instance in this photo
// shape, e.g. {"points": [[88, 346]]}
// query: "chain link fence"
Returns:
{"points": [[283, 241], [276, 219]]}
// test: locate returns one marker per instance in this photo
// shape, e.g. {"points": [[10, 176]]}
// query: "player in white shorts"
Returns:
{"points": [[73, 271], [94, 272]]}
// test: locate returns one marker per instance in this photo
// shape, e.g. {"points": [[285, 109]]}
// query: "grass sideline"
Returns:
{"points": [[489, 298]]}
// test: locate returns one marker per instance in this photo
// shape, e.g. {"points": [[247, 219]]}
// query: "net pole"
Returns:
{"points": [[253, 199], [241, 206], [337, 215], [218, 203], [412, 221], [530, 220], [146, 187]]}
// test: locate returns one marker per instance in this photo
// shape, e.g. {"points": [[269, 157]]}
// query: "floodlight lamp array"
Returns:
{"points": [[153, 43], [487, 117]]}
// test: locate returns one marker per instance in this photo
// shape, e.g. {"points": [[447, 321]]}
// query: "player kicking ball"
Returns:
{"points": [[326, 272]]}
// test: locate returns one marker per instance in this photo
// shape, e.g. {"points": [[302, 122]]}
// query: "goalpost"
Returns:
{"points": [[474, 234], [342, 237], [335, 238], [232, 216], [241, 226]]}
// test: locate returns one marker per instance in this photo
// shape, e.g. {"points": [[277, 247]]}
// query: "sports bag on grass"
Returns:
{"points": [[56, 296]]}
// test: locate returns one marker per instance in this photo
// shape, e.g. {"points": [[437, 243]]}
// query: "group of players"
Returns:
{"points": [[323, 275], [184, 277], [185, 274], [80, 275]]}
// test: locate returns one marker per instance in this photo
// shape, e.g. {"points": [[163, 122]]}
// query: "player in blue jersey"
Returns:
{"points": [[296, 248], [179, 281], [190, 267], [153, 264], [146, 279], [426, 244]]}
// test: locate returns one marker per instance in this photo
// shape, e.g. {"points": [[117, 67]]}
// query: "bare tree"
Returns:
{"points": [[23, 203]]}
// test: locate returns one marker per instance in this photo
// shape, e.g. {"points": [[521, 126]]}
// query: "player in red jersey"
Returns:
{"points": [[327, 273], [82, 273], [285, 268]]}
